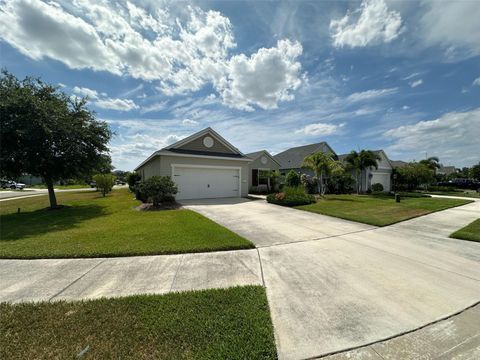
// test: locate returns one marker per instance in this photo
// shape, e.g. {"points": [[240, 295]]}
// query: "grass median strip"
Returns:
{"points": [[470, 232], [229, 323], [92, 226], [379, 210]]}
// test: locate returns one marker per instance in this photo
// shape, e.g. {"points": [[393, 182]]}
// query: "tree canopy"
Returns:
{"points": [[323, 165], [360, 161], [45, 133]]}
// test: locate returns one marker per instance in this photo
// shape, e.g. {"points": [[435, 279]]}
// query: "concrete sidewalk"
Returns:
{"points": [[70, 279]]}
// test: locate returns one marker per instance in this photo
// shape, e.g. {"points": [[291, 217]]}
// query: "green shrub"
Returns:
{"points": [[309, 183], [132, 180], [291, 196], [443, 188], [104, 183], [157, 190], [292, 179], [377, 187]]}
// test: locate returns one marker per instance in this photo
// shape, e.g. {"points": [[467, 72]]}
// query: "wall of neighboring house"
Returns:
{"points": [[257, 164], [162, 166], [382, 175]]}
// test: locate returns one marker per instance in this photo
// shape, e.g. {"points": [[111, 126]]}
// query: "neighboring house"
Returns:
{"points": [[446, 170], [258, 170], [398, 163], [292, 158], [203, 165], [370, 176], [30, 179]]}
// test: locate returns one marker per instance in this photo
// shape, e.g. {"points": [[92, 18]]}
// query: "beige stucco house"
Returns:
{"points": [[203, 165]]}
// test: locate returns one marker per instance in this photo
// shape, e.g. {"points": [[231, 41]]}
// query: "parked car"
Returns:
{"points": [[93, 184], [12, 185], [119, 182], [461, 184]]}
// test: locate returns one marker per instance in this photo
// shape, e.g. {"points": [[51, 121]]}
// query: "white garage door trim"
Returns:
{"points": [[211, 167]]}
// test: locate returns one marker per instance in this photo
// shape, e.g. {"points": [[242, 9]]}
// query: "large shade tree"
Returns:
{"points": [[359, 161], [322, 165], [45, 133]]}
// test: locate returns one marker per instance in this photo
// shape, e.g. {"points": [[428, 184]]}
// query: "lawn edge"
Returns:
{"points": [[392, 223]]}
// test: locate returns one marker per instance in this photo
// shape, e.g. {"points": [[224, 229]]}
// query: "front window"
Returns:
{"points": [[263, 176]]}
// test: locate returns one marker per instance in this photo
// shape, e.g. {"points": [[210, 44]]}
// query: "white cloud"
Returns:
{"points": [[374, 24], [454, 25], [180, 49], [371, 94], [158, 106], [189, 122], [415, 83], [453, 137], [265, 78], [405, 107], [476, 82], [135, 148], [116, 104], [320, 129], [411, 76], [83, 91]]}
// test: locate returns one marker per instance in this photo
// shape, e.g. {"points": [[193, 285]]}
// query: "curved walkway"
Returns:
{"points": [[332, 284]]}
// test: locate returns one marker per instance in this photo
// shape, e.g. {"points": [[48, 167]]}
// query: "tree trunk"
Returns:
{"points": [[320, 184], [358, 183], [51, 194]]}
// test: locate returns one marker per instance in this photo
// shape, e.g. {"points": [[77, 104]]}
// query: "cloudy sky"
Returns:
{"points": [[401, 76]]}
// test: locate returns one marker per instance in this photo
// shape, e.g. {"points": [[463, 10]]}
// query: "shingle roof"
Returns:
{"points": [[254, 155], [399, 163], [293, 157]]}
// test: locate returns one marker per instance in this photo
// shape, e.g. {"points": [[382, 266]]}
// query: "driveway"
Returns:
{"points": [[265, 224], [333, 284]]}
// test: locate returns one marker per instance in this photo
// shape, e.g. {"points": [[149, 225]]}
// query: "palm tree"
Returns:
{"points": [[360, 161], [322, 165], [432, 163]]}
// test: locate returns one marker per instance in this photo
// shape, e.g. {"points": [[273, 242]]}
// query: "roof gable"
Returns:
{"points": [[293, 157], [196, 143], [255, 155]]}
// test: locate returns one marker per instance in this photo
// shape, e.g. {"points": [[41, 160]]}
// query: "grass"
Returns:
{"points": [[471, 232], [93, 226], [378, 210], [212, 324], [76, 186]]}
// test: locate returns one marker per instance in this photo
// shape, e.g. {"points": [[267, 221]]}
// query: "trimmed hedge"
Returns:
{"points": [[290, 199]]}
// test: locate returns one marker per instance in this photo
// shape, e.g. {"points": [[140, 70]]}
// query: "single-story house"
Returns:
{"points": [[292, 158], [370, 176], [203, 165], [446, 170], [258, 170]]}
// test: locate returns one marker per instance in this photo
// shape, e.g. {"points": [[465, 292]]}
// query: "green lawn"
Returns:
{"points": [[470, 232], [212, 324], [93, 226], [379, 210]]}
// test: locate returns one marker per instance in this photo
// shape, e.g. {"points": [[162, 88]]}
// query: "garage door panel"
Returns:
{"points": [[199, 182]]}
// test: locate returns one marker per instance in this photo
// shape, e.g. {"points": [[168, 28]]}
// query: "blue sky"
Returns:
{"points": [[400, 76]]}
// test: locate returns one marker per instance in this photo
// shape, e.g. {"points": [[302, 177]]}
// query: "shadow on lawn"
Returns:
{"points": [[38, 222]]}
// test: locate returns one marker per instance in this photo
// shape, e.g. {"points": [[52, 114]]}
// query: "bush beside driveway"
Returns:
{"points": [[92, 226]]}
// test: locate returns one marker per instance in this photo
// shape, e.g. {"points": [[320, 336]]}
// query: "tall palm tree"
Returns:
{"points": [[360, 161], [432, 163], [322, 165]]}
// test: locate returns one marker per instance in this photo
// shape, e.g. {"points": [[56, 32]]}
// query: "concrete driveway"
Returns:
{"points": [[265, 224], [333, 284]]}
